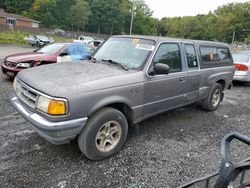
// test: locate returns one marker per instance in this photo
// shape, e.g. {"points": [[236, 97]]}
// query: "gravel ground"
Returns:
{"points": [[11, 49], [171, 148]]}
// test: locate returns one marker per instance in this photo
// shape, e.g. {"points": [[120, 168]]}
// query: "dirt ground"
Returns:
{"points": [[171, 148]]}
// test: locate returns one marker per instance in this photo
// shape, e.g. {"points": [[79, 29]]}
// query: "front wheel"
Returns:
{"points": [[104, 134], [212, 101]]}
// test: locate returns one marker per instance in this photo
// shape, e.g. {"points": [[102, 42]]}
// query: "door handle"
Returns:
{"points": [[182, 79]]}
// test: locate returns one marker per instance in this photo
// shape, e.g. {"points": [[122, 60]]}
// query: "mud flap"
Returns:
{"points": [[222, 96], [230, 86]]}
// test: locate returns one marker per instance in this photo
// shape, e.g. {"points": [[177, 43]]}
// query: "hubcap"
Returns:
{"points": [[108, 136], [216, 98]]}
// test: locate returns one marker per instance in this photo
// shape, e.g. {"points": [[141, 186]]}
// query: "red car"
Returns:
{"points": [[53, 53]]}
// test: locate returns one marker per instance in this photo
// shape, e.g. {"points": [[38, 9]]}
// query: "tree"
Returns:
{"points": [[143, 21], [107, 16], [114, 16], [16, 6], [43, 11], [78, 15], [233, 17]]}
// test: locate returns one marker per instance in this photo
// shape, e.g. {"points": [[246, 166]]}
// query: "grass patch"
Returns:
{"points": [[17, 37], [13, 37]]}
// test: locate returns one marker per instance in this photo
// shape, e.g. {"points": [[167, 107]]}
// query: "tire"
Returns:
{"points": [[212, 101], [96, 134], [248, 84]]}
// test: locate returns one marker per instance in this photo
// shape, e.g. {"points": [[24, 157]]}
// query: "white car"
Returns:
{"points": [[84, 39], [39, 40], [242, 66]]}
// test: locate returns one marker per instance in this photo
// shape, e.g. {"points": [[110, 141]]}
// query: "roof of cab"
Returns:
{"points": [[162, 39]]}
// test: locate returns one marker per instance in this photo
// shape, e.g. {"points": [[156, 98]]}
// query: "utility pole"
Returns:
{"points": [[132, 18], [233, 37]]}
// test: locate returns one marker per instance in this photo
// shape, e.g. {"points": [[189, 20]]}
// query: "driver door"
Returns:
{"points": [[164, 92]]}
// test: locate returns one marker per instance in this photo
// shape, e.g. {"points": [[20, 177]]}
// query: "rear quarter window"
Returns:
{"points": [[215, 56]]}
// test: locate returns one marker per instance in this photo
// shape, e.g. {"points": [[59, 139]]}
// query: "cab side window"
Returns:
{"points": [[170, 55], [191, 56], [209, 54], [215, 54], [224, 54]]}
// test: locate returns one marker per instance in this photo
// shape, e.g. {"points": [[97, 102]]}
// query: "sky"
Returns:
{"points": [[172, 8]]}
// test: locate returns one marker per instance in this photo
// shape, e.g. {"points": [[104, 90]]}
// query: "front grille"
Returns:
{"points": [[26, 95], [10, 64]]}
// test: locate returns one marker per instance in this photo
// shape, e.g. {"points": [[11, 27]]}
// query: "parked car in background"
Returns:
{"points": [[91, 49], [95, 43], [53, 53], [92, 46], [242, 66], [39, 40], [58, 32], [128, 79], [84, 39]]}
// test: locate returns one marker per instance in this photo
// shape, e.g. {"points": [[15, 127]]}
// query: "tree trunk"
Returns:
{"points": [[112, 28], [99, 29]]}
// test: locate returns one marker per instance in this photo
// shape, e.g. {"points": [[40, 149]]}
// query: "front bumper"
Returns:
{"points": [[54, 132], [10, 71]]}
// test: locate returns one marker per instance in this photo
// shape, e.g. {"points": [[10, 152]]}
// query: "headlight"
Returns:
{"points": [[51, 106], [14, 84], [24, 65]]}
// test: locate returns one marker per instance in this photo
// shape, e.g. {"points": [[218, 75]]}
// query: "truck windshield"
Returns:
{"points": [[129, 52]]}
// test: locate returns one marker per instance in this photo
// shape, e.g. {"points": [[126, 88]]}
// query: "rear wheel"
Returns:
{"points": [[104, 135], [212, 101], [248, 84]]}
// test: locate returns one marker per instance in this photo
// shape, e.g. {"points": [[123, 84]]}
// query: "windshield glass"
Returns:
{"points": [[240, 58], [50, 49], [129, 52], [42, 37]]}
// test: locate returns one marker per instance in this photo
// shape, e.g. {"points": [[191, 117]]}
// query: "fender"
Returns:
{"points": [[107, 101]]}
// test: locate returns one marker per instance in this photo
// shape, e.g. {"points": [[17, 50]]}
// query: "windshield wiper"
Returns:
{"points": [[115, 63]]}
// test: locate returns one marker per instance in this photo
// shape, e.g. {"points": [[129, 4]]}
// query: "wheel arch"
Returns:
{"points": [[222, 83], [121, 105]]}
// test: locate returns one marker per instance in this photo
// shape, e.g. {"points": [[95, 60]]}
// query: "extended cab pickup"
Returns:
{"points": [[128, 79]]}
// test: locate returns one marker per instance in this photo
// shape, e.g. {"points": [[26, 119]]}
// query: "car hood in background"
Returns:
{"points": [[61, 79], [25, 57]]}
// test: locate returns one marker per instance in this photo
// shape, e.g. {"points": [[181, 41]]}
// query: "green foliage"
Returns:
{"points": [[114, 16], [143, 21], [110, 17], [13, 37], [218, 25], [16, 6], [78, 15], [18, 38]]}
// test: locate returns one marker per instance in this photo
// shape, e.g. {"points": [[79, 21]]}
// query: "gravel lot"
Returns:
{"points": [[171, 149]]}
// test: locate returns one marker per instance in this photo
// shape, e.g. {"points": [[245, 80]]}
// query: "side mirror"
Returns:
{"points": [[63, 54], [161, 68]]}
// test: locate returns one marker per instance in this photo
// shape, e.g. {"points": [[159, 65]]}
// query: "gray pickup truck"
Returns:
{"points": [[128, 79]]}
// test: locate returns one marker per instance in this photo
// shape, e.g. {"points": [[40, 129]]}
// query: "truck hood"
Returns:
{"points": [[60, 79]]}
